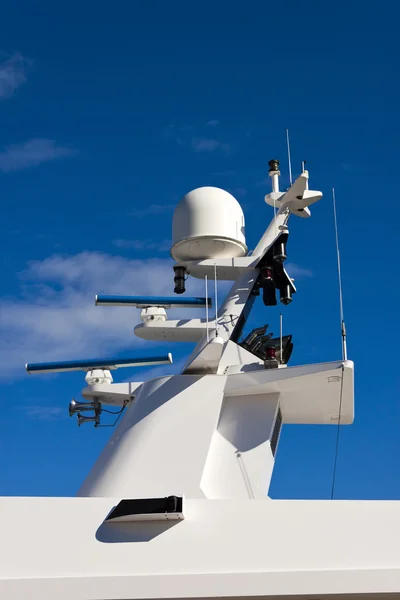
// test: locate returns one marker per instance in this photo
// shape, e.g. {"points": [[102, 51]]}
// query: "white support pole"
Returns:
{"points": [[216, 300], [275, 181], [206, 285]]}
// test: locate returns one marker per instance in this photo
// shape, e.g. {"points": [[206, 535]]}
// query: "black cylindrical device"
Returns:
{"points": [[273, 165], [179, 280], [268, 284], [286, 294], [279, 252]]}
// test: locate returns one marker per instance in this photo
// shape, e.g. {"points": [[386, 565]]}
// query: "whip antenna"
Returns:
{"points": [[344, 343], [289, 159], [342, 324]]}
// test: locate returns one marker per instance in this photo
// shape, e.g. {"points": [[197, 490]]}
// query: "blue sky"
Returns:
{"points": [[108, 115]]}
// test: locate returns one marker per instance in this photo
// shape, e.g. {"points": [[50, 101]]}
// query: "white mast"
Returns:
{"points": [[176, 506]]}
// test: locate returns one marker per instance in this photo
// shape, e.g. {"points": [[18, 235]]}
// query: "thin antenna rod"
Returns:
{"points": [[342, 324], [276, 227], [216, 300], [289, 158], [206, 285], [281, 336], [344, 345]]}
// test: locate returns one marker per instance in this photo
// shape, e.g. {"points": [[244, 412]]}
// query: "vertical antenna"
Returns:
{"points": [[274, 173], [281, 336], [206, 284], [289, 159], [344, 344], [216, 300], [303, 170], [342, 325]]}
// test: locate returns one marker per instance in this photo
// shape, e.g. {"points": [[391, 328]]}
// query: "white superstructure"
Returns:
{"points": [[177, 504]]}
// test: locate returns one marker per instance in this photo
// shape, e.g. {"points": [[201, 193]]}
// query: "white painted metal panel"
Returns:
{"points": [[160, 446], [58, 548], [309, 394]]}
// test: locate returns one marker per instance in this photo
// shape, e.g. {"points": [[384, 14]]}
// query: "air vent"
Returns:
{"points": [[150, 509], [276, 432]]}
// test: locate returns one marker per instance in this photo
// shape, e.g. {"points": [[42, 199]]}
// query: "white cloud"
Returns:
{"points": [[146, 244], [163, 370], [296, 271], [31, 153], [263, 182], [238, 192], [225, 173], [12, 74], [152, 210], [56, 318], [43, 413], [203, 144], [196, 137]]}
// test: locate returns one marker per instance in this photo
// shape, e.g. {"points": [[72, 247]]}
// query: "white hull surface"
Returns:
{"points": [[59, 548]]}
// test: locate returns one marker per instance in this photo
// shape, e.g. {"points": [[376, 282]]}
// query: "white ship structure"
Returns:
{"points": [[177, 504]]}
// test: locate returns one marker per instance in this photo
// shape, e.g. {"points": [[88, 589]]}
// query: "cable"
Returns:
{"points": [[111, 412]]}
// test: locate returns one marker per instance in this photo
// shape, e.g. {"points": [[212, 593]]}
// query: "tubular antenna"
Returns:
{"points": [[344, 343], [342, 324], [289, 158]]}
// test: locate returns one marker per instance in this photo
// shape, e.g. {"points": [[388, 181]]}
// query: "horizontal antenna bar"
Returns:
{"points": [[146, 301], [97, 363]]}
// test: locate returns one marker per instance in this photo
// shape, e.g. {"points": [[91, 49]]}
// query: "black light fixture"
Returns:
{"points": [[267, 282], [285, 293], [279, 252], [179, 280]]}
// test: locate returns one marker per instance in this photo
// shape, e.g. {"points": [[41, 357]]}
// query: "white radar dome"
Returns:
{"points": [[208, 223]]}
